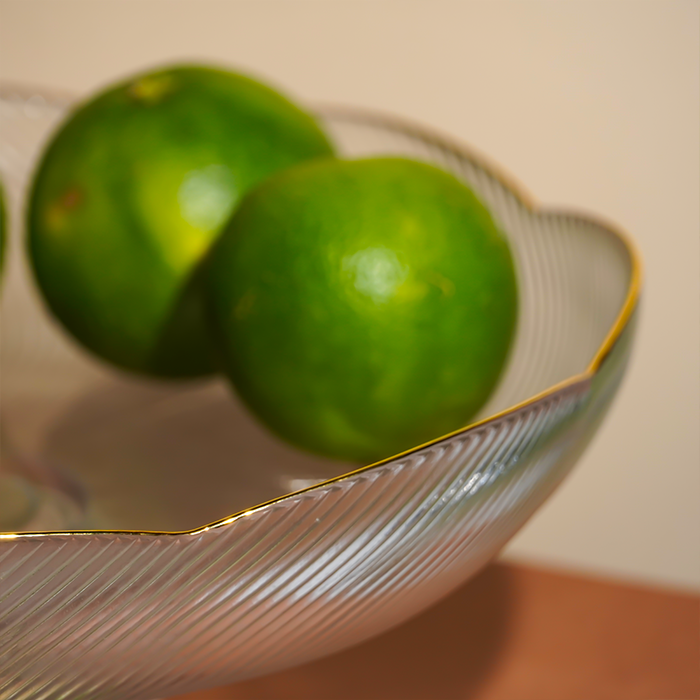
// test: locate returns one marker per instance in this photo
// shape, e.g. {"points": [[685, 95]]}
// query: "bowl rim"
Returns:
{"points": [[434, 137]]}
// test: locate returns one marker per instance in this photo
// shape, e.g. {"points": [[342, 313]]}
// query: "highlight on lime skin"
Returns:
{"points": [[206, 196], [375, 272]]}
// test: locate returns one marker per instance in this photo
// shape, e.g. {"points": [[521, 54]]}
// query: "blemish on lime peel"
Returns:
{"points": [[245, 305], [57, 213], [445, 285], [151, 89]]}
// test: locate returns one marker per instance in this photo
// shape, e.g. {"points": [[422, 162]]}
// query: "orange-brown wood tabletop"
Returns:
{"points": [[513, 633]]}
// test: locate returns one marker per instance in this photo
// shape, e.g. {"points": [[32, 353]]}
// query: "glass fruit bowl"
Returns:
{"points": [[142, 584]]}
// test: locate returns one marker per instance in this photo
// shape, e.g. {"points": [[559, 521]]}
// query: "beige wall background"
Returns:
{"points": [[589, 104]]}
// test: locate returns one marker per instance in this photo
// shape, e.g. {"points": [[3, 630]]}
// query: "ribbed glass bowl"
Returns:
{"points": [[116, 611]]}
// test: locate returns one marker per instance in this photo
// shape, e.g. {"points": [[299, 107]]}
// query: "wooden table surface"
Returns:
{"points": [[513, 633]]}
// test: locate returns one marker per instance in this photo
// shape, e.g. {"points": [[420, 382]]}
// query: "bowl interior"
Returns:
{"points": [[157, 456]]}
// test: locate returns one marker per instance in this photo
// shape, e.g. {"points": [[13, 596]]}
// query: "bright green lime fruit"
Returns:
{"points": [[362, 307], [132, 191]]}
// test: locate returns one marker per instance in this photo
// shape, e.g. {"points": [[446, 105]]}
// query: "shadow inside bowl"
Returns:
{"points": [[158, 457]]}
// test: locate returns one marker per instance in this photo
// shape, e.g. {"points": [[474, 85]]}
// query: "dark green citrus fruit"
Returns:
{"points": [[362, 307], [132, 191]]}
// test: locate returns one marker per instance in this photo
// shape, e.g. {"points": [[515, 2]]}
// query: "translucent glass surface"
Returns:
{"points": [[143, 615]]}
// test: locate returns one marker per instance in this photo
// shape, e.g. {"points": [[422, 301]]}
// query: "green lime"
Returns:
{"points": [[132, 191], [362, 307]]}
